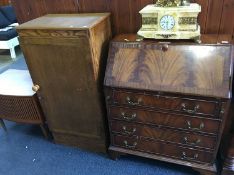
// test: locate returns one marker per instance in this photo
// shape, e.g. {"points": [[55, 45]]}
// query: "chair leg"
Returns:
{"points": [[13, 54], [3, 125]]}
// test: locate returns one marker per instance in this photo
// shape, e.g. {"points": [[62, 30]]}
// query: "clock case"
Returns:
{"points": [[186, 25]]}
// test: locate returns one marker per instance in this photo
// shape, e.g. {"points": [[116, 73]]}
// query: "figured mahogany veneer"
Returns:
{"points": [[159, 101], [170, 120], [168, 104], [168, 150], [162, 134]]}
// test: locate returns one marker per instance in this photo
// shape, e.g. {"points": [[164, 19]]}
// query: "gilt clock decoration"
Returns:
{"points": [[170, 19]]}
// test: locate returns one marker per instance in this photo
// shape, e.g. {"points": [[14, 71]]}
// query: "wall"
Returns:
{"points": [[217, 15], [4, 2]]}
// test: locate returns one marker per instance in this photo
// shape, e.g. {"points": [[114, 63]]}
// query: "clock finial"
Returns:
{"points": [[168, 3]]}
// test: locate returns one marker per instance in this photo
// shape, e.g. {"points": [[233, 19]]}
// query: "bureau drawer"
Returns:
{"points": [[185, 138], [163, 149], [185, 105], [177, 121]]}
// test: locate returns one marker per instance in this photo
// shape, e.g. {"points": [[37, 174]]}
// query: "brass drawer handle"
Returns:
{"points": [[130, 146], [186, 140], [190, 111], [184, 156], [201, 126], [132, 103], [127, 131], [133, 116]]}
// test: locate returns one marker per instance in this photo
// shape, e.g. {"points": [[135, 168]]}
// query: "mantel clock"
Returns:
{"points": [[170, 19]]}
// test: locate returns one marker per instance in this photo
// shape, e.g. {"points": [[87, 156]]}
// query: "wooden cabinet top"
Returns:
{"points": [[65, 21], [188, 68]]}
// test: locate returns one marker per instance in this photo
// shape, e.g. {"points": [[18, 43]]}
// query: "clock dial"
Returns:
{"points": [[167, 22]]}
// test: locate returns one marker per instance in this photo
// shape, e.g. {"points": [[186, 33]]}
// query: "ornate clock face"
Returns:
{"points": [[167, 22]]}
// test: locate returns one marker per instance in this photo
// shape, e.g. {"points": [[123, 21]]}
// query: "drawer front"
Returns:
{"points": [[147, 132], [178, 121], [185, 105], [163, 149]]}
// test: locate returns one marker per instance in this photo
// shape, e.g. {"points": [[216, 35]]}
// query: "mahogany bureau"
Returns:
{"points": [[168, 101], [66, 54]]}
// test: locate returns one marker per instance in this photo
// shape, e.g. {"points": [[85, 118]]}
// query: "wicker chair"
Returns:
{"points": [[18, 102]]}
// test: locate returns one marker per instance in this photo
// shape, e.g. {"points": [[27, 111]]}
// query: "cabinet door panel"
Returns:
{"points": [[62, 68]]}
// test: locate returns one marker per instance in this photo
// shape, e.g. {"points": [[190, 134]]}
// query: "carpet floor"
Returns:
{"points": [[6, 61], [24, 151]]}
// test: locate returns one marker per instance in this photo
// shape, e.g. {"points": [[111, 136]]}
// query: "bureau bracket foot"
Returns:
{"points": [[212, 171], [114, 155], [45, 131]]}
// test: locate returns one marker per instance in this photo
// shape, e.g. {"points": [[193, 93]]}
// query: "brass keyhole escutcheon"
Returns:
{"points": [[165, 47]]}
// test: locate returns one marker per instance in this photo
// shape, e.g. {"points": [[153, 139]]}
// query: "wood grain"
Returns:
{"points": [[163, 68], [5, 2], [214, 14], [62, 6], [148, 67], [87, 6], [163, 135], [125, 13], [167, 120], [227, 25], [167, 150], [145, 116], [65, 64], [126, 62], [161, 101], [202, 17]]}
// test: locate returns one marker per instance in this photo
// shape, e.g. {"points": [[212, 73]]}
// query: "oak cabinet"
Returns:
{"points": [[66, 58]]}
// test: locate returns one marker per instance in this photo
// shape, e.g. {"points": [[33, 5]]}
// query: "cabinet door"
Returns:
{"points": [[62, 67], [29, 9], [62, 6]]}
